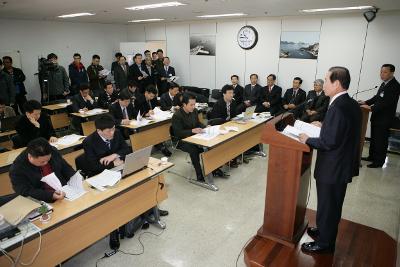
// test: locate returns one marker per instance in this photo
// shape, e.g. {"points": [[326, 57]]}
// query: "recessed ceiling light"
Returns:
{"points": [[223, 15], [76, 15], [167, 4], [145, 20], [336, 9]]}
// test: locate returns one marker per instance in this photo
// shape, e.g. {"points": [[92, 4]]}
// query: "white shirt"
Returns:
{"points": [[336, 96], [170, 96]]}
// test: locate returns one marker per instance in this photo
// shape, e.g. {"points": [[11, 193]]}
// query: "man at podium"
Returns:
{"points": [[337, 159]]}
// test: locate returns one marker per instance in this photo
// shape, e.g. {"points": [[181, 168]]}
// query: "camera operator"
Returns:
{"points": [[58, 80]]}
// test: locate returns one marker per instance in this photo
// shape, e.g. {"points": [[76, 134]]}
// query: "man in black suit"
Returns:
{"points": [[116, 62], [107, 97], [185, 123], [123, 110], [83, 100], [121, 74], [138, 73], [36, 161], [294, 96], [170, 99], [152, 72], [33, 125], [146, 104], [96, 80], [337, 160], [383, 106], [18, 78], [159, 59], [164, 73], [104, 149], [252, 93], [317, 103], [225, 108], [238, 89], [272, 97]]}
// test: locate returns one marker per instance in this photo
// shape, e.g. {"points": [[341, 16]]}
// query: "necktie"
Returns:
{"points": [[124, 114], [270, 89], [108, 143], [166, 69], [149, 104], [228, 111], [381, 88]]}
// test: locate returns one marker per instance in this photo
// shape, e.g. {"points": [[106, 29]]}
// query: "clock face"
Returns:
{"points": [[247, 37]]}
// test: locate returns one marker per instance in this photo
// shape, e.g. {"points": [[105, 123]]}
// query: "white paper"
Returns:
{"points": [[301, 127], [94, 111], [104, 72], [64, 105], [104, 179], [74, 188], [160, 115], [172, 78], [209, 133], [53, 181], [68, 140]]}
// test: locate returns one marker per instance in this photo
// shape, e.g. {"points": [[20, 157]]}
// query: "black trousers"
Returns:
{"points": [[330, 199], [379, 143], [194, 152], [20, 100]]}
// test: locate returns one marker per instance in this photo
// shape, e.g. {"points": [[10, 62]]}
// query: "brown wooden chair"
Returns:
{"points": [[88, 127]]}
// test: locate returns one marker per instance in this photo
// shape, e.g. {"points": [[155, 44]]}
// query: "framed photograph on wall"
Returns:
{"points": [[202, 45], [301, 45]]}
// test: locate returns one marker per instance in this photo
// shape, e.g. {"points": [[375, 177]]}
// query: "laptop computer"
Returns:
{"points": [[8, 124], [135, 161]]}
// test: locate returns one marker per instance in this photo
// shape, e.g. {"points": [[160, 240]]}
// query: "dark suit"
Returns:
{"points": [[121, 76], [163, 85], [317, 103], [27, 131], [274, 97], [166, 103], [96, 82], [152, 78], [95, 149], [337, 162], [116, 112], [238, 93], [144, 106], [105, 100], [79, 103], [253, 93], [383, 107], [220, 110], [298, 98], [25, 177], [135, 73], [182, 125]]}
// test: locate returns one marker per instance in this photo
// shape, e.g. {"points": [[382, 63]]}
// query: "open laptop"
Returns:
{"points": [[134, 161], [8, 124], [248, 114]]}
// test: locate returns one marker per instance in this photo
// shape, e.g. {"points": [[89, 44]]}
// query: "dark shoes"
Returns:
{"points": [[313, 232], [114, 240], [367, 158], [145, 226], [314, 248], [374, 165], [163, 212], [201, 179], [166, 152], [219, 173]]}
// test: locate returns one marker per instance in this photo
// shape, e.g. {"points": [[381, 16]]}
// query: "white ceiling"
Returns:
{"points": [[112, 11]]}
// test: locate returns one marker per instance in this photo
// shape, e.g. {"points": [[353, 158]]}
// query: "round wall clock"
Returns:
{"points": [[247, 37]]}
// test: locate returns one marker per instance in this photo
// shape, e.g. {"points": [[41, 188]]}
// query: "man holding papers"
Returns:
{"points": [[337, 159], [38, 160]]}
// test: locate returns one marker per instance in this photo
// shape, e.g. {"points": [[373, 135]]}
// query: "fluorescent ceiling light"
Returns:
{"points": [[145, 20], [167, 4], [223, 15], [76, 15], [336, 9]]}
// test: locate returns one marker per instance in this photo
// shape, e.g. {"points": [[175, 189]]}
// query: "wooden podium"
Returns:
{"points": [[288, 179]]}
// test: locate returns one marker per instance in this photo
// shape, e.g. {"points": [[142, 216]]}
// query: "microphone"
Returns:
{"points": [[280, 127], [355, 94]]}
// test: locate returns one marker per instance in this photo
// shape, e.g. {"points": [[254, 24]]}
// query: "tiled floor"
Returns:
{"points": [[207, 229]]}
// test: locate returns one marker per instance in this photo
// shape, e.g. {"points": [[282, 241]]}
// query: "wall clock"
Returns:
{"points": [[247, 37]]}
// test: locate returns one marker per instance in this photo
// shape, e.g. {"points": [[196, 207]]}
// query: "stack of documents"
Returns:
{"points": [[301, 127], [95, 111], [73, 189], [160, 115], [104, 179], [208, 133], [68, 140]]}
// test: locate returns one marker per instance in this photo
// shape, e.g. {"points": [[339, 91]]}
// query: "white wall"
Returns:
{"points": [[39, 38]]}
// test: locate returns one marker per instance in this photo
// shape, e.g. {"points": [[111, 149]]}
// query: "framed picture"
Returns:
{"points": [[302, 45]]}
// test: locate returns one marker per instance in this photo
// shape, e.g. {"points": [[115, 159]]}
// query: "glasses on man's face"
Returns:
{"points": [[77, 58]]}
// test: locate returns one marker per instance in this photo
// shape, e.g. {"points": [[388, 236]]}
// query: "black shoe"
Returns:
{"points": [[201, 179], [218, 172], [163, 212], [114, 240], [367, 158], [246, 161], [145, 226], [121, 232], [234, 164], [313, 247], [374, 165], [166, 152], [313, 232]]}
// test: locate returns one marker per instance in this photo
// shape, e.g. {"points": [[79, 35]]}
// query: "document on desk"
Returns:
{"points": [[160, 115], [95, 111], [68, 140], [300, 127], [73, 189], [104, 179], [63, 105], [208, 133]]}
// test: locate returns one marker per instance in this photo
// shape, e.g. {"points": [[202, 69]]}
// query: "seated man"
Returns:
{"points": [[133, 91], [252, 94], [83, 100], [146, 104], [36, 161], [34, 124], [122, 110], [294, 97], [225, 108], [185, 122], [170, 99], [5, 111], [315, 109], [271, 97], [107, 97]]}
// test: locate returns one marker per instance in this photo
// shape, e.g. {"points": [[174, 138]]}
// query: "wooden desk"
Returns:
{"points": [[87, 116], [78, 224], [8, 133], [151, 134], [224, 148], [54, 108]]}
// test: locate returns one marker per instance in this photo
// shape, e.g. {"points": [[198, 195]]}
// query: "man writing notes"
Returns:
{"points": [[383, 106], [337, 159]]}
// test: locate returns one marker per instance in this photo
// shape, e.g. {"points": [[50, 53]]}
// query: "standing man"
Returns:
{"points": [[96, 80], [7, 90], [337, 159], [18, 78], [165, 73], [116, 62], [77, 74], [121, 74], [58, 81], [383, 106], [138, 72], [272, 93], [238, 89]]}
